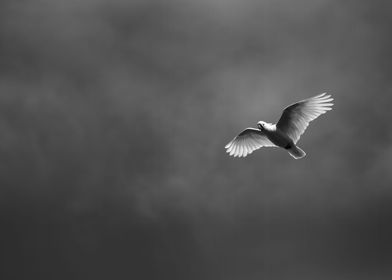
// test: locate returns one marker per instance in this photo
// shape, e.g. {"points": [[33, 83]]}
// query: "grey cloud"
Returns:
{"points": [[113, 119]]}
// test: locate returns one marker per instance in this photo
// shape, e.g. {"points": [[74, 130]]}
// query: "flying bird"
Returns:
{"points": [[285, 133]]}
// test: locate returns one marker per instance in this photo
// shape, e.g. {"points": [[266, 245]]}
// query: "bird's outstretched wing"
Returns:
{"points": [[296, 117], [246, 142]]}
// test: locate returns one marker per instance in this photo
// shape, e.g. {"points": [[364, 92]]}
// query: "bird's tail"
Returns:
{"points": [[296, 152]]}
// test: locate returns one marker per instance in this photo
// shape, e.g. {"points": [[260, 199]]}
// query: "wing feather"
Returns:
{"points": [[246, 142], [296, 117]]}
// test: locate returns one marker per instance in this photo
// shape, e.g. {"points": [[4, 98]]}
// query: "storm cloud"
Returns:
{"points": [[113, 120]]}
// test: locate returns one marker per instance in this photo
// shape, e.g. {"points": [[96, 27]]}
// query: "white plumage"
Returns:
{"points": [[285, 133]]}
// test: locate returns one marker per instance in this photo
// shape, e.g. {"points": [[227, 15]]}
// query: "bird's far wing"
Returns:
{"points": [[246, 142], [296, 117]]}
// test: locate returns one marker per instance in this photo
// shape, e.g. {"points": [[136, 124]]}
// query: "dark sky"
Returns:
{"points": [[113, 120]]}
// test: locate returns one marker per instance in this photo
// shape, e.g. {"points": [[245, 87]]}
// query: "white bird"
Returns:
{"points": [[285, 133]]}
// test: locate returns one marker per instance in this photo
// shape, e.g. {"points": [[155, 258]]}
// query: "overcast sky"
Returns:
{"points": [[113, 120]]}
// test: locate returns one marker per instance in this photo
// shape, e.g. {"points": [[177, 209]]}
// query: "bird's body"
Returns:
{"points": [[285, 133], [276, 136]]}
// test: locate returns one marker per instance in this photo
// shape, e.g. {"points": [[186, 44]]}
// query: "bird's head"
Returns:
{"points": [[261, 125]]}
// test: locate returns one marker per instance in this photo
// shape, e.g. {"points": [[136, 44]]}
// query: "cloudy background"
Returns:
{"points": [[113, 119]]}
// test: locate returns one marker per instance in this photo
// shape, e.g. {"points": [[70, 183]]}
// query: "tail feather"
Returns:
{"points": [[296, 152]]}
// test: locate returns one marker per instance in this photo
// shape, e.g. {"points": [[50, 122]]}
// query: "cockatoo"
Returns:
{"points": [[286, 133]]}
